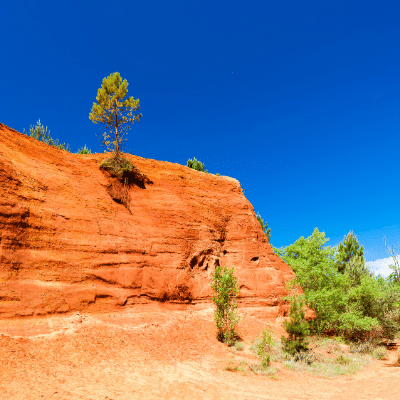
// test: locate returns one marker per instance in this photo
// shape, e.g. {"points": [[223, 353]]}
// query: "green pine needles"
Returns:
{"points": [[196, 164], [117, 113], [349, 249], [297, 328], [84, 150], [226, 289], [264, 227], [41, 133]]}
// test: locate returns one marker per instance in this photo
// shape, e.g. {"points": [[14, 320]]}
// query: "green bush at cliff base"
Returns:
{"points": [[225, 291], [264, 346], [297, 327]]}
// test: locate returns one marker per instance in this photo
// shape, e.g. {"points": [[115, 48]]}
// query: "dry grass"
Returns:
{"points": [[328, 357]]}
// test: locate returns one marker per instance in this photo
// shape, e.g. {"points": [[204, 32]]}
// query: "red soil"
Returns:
{"points": [[158, 351]]}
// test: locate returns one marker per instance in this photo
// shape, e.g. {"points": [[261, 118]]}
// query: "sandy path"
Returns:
{"points": [[155, 353]]}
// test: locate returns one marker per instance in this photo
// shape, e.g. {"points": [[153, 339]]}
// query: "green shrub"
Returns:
{"points": [[380, 353], [225, 292], [118, 165], [195, 164], [84, 150], [41, 133], [264, 346], [297, 327]]}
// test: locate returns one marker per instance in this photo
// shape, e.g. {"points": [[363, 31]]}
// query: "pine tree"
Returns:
{"points": [[264, 227], [297, 328], [113, 110], [41, 133], [347, 250]]}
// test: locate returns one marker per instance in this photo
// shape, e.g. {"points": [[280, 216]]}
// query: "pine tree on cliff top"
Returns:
{"points": [[115, 111]]}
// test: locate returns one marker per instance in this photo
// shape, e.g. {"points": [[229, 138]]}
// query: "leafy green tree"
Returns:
{"points": [[41, 133], [115, 111], [264, 227], [347, 250], [225, 291], [196, 164], [328, 292]]}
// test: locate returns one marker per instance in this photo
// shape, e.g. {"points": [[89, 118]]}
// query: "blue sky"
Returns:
{"points": [[299, 101]]}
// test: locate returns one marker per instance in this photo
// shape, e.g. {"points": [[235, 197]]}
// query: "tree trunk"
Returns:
{"points": [[116, 136]]}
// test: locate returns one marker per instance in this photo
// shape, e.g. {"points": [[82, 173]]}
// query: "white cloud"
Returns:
{"points": [[381, 266]]}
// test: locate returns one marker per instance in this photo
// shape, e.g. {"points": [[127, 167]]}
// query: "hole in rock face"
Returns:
{"points": [[193, 262], [254, 259], [216, 263], [225, 251]]}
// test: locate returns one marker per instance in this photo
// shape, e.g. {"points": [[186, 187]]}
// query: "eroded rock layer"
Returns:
{"points": [[72, 237]]}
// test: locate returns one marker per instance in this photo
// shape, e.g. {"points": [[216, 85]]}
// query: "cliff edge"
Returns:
{"points": [[69, 243]]}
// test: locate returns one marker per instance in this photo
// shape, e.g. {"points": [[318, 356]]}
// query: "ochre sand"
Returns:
{"points": [[159, 351]]}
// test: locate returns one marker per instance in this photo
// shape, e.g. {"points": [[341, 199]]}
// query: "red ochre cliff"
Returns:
{"points": [[67, 242]]}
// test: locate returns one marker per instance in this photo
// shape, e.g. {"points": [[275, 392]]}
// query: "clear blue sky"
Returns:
{"points": [[300, 101]]}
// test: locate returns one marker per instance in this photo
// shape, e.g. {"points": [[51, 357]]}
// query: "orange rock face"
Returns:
{"points": [[73, 237]]}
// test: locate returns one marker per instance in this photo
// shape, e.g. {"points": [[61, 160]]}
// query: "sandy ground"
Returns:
{"points": [[158, 351]]}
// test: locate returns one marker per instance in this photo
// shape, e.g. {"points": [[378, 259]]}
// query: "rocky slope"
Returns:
{"points": [[72, 237]]}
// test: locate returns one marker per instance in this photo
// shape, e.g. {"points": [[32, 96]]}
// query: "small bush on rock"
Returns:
{"points": [[196, 164], [117, 164], [41, 133], [84, 150]]}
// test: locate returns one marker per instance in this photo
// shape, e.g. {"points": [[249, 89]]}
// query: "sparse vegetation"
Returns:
{"points": [[264, 346], [196, 164], [118, 165], [380, 353], [236, 365], [84, 150], [316, 361], [239, 346], [41, 133], [264, 226], [225, 291]]}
